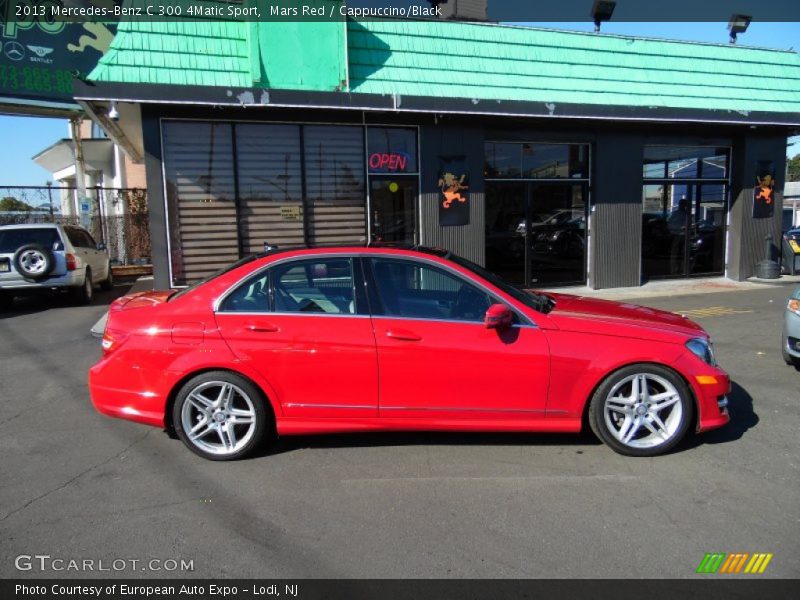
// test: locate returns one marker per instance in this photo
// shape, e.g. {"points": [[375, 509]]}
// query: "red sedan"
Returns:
{"points": [[364, 339]]}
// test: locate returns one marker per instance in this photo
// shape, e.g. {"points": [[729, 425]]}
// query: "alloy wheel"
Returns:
{"points": [[218, 417], [643, 410]]}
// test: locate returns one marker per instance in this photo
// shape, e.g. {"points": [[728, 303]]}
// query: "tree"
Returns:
{"points": [[793, 170], [9, 203]]}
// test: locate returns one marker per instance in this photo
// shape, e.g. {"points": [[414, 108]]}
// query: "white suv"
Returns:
{"points": [[47, 257]]}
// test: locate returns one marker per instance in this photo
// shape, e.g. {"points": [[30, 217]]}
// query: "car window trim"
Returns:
{"points": [[525, 321], [269, 268]]}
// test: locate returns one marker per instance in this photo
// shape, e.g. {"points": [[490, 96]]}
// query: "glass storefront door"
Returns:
{"points": [[393, 209], [683, 230], [536, 232], [684, 211]]}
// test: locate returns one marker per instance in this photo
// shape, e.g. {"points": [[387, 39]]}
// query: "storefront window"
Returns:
{"points": [[555, 161], [684, 211], [231, 187], [535, 226], [201, 198], [391, 150], [502, 161]]}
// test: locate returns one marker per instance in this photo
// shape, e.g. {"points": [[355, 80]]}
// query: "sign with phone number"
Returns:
{"points": [[35, 80], [39, 58]]}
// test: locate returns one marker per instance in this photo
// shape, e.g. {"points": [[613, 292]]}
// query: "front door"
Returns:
{"points": [[306, 330], [436, 357], [393, 209]]}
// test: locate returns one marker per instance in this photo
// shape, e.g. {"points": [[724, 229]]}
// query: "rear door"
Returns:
{"points": [[303, 324]]}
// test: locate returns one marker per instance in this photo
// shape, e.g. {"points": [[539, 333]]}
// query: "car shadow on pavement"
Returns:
{"points": [[574, 441], [27, 305], [743, 418]]}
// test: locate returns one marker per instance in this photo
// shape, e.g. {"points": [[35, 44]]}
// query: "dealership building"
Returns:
{"points": [[551, 157]]}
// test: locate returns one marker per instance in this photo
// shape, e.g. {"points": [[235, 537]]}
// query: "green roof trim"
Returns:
{"points": [[447, 59]]}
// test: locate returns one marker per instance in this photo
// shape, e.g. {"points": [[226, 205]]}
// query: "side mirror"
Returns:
{"points": [[101, 246], [498, 316]]}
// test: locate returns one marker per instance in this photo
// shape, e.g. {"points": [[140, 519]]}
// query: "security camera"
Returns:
{"points": [[113, 113]]}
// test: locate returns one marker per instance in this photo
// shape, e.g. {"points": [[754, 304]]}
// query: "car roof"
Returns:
{"points": [[370, 248], [31, 226]]}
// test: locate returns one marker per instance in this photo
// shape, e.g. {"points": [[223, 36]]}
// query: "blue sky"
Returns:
{"points": [[23, 137]]}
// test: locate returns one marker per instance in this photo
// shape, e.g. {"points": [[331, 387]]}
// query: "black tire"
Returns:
{"points": [[610, 425], [214, 441], [109, 282], [34, 261], [84, 293]]}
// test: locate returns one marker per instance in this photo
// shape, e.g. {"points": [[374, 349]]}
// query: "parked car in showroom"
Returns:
{"points": [[790, 339], [48, 257], [311, 341]]}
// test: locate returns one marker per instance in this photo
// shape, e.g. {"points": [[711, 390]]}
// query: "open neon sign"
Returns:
{"points": [[388, 161]]}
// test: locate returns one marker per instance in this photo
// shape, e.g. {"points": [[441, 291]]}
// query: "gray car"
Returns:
{"points": [[790, 342], [47, 257]]}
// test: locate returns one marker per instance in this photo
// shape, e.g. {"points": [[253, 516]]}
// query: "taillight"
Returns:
{"points": [[112, 340], [72, 262]]}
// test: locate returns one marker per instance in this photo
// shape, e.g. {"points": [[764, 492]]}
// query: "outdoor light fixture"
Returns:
{"points": [[113, 113], [602, 11], [738, 24]]}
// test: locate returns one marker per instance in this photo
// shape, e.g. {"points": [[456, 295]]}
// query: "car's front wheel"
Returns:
{"points": [[641, 410], [221, 416]]}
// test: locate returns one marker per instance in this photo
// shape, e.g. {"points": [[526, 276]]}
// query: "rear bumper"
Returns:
{"points": [[21, 286], [110, 399]]}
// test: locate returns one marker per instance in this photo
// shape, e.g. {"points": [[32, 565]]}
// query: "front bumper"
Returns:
{"points": [[791, 334], [711, 386]]}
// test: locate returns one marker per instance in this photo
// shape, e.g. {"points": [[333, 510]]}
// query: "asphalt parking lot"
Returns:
{"points": [[77, 485]]}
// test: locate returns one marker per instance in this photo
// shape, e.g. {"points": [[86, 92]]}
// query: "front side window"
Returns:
{"points": [[414, 290]]}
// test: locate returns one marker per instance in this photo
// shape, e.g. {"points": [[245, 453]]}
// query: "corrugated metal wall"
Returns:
{"points": [[437, 141], [747, 234], [616, 213]]}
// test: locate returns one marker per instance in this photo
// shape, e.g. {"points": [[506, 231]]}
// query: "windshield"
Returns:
{"points": [[539, 302], [222, 271], [11, 239]]}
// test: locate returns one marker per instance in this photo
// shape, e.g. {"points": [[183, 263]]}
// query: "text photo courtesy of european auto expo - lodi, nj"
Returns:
{"points": [[327, 299]]}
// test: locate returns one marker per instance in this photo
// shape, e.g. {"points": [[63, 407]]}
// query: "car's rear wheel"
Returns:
{"points": [[84, 293], [641, 410], [221, 416], [109, 282]]}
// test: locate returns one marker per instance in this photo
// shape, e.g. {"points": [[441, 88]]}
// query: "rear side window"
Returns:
{"points": [[323, 286], [11, 239], [79, 238], [314, 286]]}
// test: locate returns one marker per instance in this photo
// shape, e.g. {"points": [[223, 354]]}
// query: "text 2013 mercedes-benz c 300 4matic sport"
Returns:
{"points": [[313, 341]]}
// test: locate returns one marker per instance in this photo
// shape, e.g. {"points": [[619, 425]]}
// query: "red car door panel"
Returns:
{"points": [[460, 370], [320, 366]]}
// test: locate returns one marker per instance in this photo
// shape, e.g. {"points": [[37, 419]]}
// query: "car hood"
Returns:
{"points": [[618, 318]]}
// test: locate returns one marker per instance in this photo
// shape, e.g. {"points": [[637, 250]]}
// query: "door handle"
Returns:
{"points": [[402, 334], [262, 327]]}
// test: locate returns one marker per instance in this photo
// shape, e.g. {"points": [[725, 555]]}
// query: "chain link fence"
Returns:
{"points": [[126, 235]]}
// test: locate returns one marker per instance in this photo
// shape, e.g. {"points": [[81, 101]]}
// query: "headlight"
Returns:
{"points": [[794, 306], [703, 349]]}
